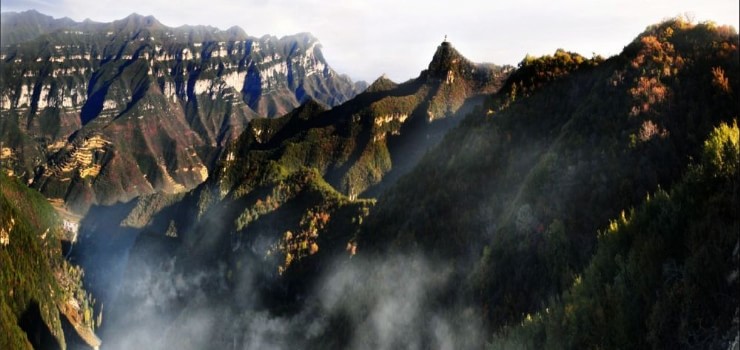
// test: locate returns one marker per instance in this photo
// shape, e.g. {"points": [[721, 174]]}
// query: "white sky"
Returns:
{"points": [[368, 38]]}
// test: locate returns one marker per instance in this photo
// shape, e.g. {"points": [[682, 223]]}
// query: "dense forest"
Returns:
{"points": [[40, 292], [664, 274], [516, 196]]}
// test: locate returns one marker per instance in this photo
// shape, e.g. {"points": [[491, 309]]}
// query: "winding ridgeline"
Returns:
{"points": [[569, 202]]}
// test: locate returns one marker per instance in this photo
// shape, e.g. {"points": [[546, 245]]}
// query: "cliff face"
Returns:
{"points": [[86, 105]]}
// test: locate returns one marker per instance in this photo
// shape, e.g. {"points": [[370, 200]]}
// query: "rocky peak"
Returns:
{"points": [[448, 60], [382, 84], [308, 109], [136, 21]]}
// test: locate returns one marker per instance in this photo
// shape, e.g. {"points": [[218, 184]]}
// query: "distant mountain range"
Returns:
{"points": [[96, 113]]}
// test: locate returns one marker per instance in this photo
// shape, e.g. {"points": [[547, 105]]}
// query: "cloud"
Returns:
{"points": [[399, 301]]}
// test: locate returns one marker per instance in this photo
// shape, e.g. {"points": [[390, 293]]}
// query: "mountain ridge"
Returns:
{"points": [[178, 94], [289, 195], [525, 187]]}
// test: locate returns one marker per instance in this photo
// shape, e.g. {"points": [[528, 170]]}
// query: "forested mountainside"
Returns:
{"points": [[664, 274], [493, 237], [515, 198], [289, 195], [97, 113], [42, 302]]}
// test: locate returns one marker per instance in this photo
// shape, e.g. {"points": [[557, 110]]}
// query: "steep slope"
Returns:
{"points": [[283, 202], [352, 147], [665, 275], [384, 130], [96, 113], [515, 195], [42, 302]]}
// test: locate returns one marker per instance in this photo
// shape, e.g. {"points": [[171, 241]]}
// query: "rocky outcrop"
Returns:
{"points": [[457, 79], [271, 75]]}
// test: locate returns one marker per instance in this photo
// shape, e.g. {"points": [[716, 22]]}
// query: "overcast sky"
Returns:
{"points": [[368, 38]]}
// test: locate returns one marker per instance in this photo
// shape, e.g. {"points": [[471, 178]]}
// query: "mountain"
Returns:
{"points": [[524, 199], [290, 194], [569, 202], [19, 27], [380, 132], [660, 271], [42, 302], [515, 223], [96, 113]]}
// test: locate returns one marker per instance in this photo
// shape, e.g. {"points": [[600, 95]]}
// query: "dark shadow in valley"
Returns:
{"points": [[102, 249], [37, 331]]}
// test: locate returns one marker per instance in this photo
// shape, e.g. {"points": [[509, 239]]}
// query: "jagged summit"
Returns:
{"points": [[447, 59]]}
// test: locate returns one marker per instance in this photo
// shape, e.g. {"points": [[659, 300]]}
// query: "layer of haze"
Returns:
{"points": [[368, 38]]}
